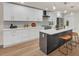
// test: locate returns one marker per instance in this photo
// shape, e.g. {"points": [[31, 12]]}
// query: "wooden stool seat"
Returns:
{"points": [[65, 37]]}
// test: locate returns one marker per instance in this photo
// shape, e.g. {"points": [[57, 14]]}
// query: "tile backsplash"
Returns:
{"points": [[21, 24]]}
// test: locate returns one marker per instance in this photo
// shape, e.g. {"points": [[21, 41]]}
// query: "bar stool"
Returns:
{"points": [[66, 38], [74, 38]]}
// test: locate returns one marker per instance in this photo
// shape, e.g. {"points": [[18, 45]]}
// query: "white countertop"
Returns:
{"points": [[53, 31], [7, 29], [14, 29], [18, 28]]}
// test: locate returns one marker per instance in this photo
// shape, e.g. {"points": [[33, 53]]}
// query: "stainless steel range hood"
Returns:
{"points": [[45, 14]]}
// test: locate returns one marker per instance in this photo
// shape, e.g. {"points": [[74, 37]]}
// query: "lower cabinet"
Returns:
{"points": [[33, 33], [15, 36], [8, 38]]}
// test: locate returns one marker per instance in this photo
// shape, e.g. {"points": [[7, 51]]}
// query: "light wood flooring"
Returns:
{"points": [[32, 49]]}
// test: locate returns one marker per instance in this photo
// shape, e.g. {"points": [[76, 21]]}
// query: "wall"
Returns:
{"points": [[1, 23], [73, 20], [45, 21], [54, 16]]}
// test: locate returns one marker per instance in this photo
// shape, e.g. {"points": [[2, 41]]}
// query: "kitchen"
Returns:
{"points": [[23, 22]]}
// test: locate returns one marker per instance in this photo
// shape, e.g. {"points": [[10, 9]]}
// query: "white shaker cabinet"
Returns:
{"points": [[8, 12], [35, 15], [20, 13], [13, 12], [15, 36], [9, 38], [33, 33]]}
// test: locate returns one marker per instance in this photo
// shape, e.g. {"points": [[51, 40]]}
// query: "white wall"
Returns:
{"points": [[1, 23], [54, 16], [73, 20]]}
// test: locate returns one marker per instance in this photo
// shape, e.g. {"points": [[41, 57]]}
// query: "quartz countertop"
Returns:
{"points": [[7, 29], [53, 31], [19, 28]]}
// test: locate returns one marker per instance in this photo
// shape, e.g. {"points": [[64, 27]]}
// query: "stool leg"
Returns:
{"points": [[65, 53], [67, 48], [71, 46], [70, 43], [76, 41]]}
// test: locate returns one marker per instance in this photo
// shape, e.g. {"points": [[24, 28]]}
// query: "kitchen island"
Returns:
{"points": [[49, 39]]}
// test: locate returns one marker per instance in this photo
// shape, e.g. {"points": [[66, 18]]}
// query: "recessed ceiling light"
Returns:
{"points": [[54, 7]]}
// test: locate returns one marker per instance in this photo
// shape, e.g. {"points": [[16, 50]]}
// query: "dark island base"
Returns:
{"points": [[49, 43]]}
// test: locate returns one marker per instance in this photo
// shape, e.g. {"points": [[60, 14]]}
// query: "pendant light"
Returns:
{"points": [[71, 13], [65, 11], [54, 6]]}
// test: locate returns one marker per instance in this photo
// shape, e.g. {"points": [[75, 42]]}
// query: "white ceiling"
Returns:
{"points": [[60, 6]]}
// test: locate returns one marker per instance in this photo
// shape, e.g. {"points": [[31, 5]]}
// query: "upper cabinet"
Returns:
{"points": [[13, 12], [8, 12]]}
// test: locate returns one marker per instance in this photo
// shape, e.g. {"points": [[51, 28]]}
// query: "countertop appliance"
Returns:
{"points": [[60, 23], [13, 26], [46, 27]]}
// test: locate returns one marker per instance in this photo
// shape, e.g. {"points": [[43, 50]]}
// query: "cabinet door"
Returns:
{"points": [[18, 36], [24, 36], [36, 15], [9, 38], [8, 12], [33, 34], [39, 15], [19, 13]]}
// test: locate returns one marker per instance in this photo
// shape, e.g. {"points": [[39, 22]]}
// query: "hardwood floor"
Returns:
{"points": [[32, 49]]}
